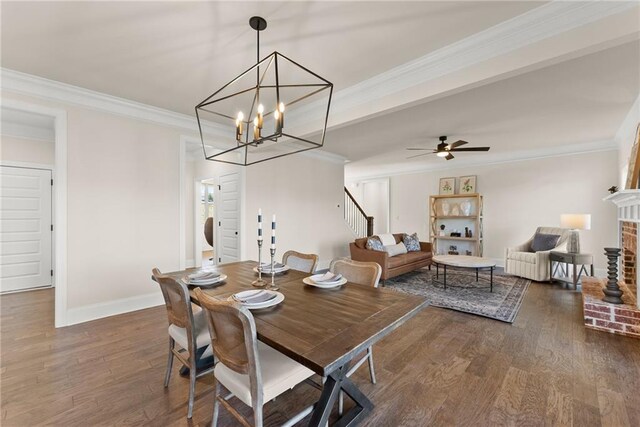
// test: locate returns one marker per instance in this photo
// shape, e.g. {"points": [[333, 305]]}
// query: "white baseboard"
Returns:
{"points": [[112, 308], [190, 263]]}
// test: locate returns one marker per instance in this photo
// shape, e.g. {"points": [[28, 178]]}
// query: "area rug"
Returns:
{"points": [[464, 294]]}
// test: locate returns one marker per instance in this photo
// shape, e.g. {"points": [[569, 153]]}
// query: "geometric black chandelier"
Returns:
{"points": [[251, 109]]}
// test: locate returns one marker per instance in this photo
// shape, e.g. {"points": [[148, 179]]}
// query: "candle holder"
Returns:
{"points": [[613, 293], [272, 286], [259, 282]]}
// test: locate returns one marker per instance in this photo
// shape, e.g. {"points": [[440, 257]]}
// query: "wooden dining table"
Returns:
{"points": [[322, 329]]}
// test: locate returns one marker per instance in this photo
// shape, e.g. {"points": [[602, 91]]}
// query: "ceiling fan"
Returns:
{"points": [[444, 149]]}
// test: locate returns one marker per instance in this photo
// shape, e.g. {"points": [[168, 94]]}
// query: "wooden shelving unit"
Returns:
{"points": [[452, 222]]}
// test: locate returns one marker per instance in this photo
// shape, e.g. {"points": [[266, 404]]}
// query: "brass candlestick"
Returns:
{"points": [[259, 282]]}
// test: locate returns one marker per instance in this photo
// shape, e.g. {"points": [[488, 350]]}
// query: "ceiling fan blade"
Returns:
{"points": [[423, 154], [419, 149], [449, 156], [472, 149], [457, 144]]}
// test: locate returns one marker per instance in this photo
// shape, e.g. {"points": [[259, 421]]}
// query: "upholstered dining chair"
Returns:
{"points": [[187, 329], [251, 370], [301, 262], [362, 273]]}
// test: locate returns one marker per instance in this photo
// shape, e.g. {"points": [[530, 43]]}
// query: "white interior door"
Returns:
{"points": [[25, 228], [228, 210]]}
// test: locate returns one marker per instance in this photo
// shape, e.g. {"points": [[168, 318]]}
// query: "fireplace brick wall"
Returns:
{"points": [[630, 255], [622, 319]]}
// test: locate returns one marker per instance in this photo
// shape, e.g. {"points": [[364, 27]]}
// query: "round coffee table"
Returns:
{"points": [[463, 261]]}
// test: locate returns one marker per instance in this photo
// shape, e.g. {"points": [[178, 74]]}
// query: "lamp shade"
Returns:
{"points": [[576, 221]]}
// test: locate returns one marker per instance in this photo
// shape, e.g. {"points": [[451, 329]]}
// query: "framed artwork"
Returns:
{"points": [[447, 186], [468, 184]]}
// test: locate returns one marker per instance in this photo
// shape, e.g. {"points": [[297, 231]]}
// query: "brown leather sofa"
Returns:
{"points": [[396, 265]]}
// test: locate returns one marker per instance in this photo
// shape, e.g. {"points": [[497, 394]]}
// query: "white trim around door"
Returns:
{"points": [[59, 200], [197, 181]]}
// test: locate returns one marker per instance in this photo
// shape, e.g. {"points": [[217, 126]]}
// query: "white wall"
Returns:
{"points": [[520, 196], [625, 137], [306, 194], [26, 150], [123, 215]]}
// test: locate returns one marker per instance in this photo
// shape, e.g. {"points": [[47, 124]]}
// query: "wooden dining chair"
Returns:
{"points": [[362, 273], [189, 331], [301, 262], [251, 370]]}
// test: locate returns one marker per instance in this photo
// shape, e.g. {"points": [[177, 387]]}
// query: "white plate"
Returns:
{"points": [[215, 281], [275, 301], [310, 282], [277, 270]]}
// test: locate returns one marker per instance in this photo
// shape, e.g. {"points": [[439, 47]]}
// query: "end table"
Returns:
{"points": [[562, 260]]}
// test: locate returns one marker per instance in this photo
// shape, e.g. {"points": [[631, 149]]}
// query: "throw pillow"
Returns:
{"points": [[374, 244], [544, 242], [397, 249], [411, 242]]}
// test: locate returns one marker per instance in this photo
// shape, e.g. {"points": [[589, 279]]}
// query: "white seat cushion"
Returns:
{"points": [[279, 374], [529, 257], [200, 330]]}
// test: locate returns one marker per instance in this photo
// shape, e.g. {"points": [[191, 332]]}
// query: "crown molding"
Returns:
{"points": [[543, 22], [51, 90], [546, 21], [492, 159]]}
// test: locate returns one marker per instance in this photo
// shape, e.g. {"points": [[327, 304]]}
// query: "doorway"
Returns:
{"points": [[206, 210], [37, 124], [217, 220]]}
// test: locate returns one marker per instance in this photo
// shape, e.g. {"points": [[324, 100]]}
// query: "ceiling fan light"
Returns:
{"points": [[442, 154]]}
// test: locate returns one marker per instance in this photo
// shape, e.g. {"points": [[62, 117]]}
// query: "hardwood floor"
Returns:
{"points": [[440, 368]]}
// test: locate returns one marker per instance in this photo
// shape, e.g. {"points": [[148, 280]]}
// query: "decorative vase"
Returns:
{"points": [[455, 211], [466, 208], [445, 208]]}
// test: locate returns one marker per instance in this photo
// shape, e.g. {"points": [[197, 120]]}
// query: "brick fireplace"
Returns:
{"points": [[623, 319], [629, 261], [628, 204]]}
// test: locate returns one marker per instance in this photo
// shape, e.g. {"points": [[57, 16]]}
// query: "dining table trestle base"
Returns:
{"points": [[336, 382]]}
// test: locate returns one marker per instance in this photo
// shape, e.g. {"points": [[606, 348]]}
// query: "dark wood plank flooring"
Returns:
{"points": [[440, 368]]}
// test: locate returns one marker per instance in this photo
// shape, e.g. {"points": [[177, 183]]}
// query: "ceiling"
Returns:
{"points": [[577, 101], [174, 54]]}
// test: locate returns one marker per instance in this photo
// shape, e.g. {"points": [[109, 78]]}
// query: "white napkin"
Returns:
{"points": [[203, 277], [328, 278], [255, 297]]}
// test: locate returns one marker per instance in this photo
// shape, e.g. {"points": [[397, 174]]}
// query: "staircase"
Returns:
{"points": [[354, 215]]}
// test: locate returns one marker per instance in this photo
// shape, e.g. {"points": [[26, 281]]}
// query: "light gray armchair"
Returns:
{"points": [[520, 261]]}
